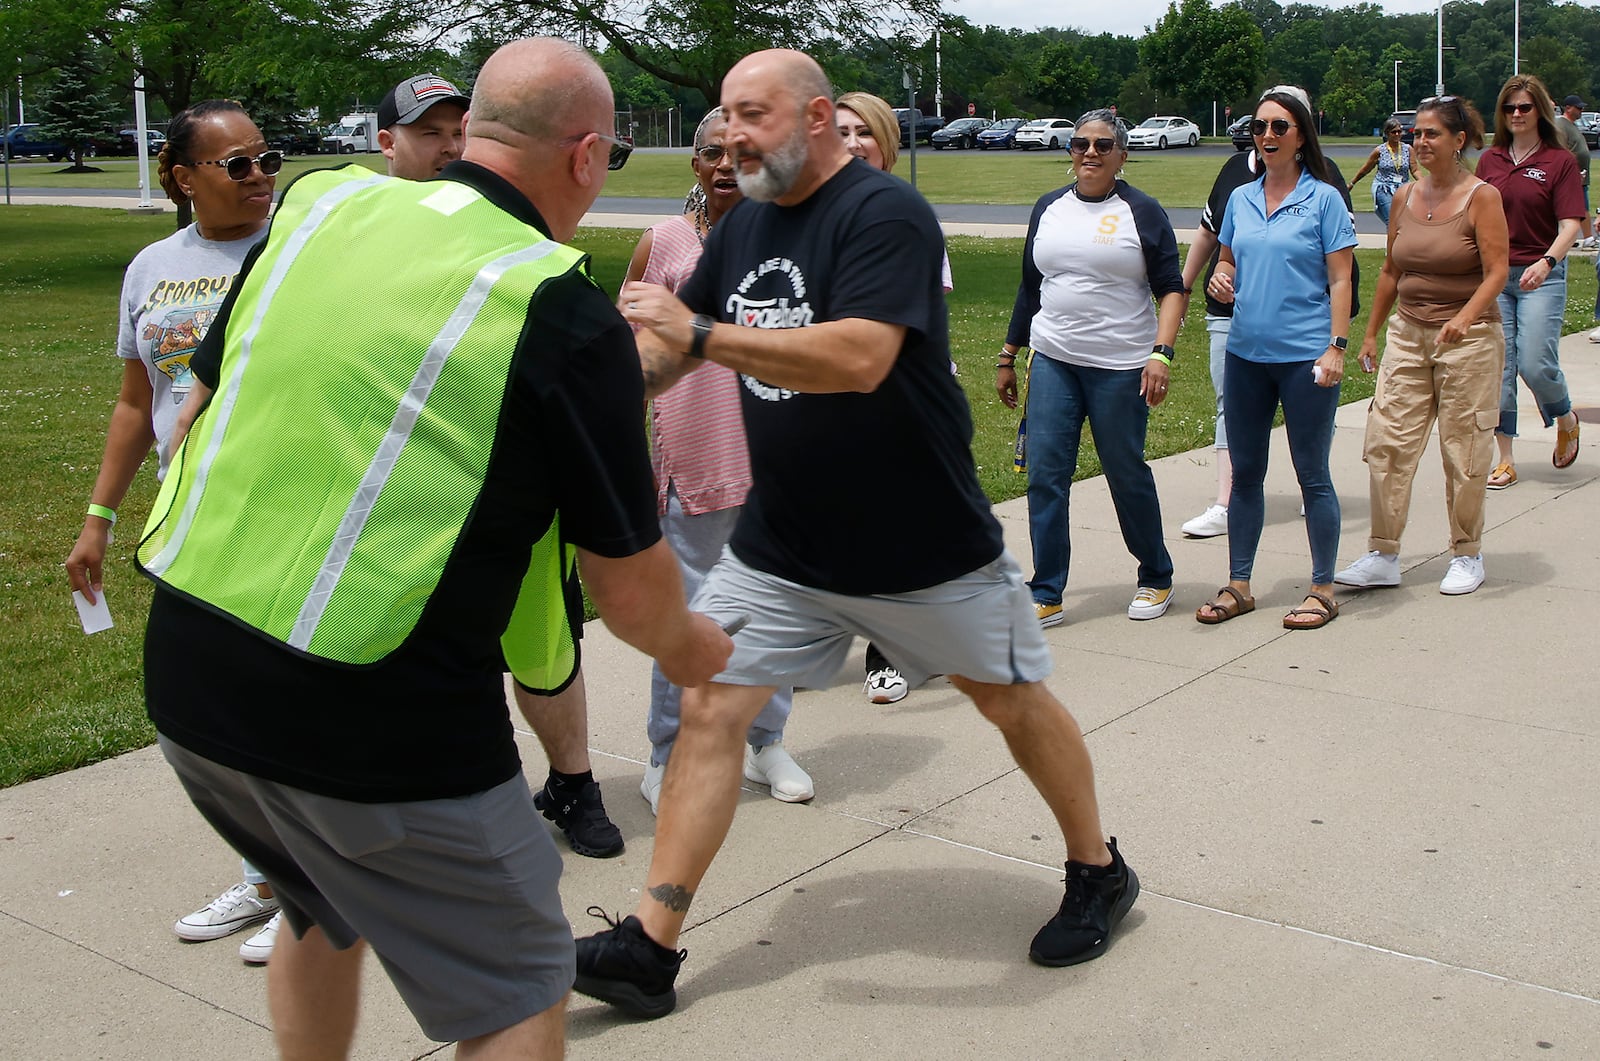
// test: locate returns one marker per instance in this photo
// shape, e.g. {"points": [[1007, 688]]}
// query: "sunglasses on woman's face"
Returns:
{"points": [[711, 153], [1279, 126], [1103, 145], [1517, 108], [238, 167]]}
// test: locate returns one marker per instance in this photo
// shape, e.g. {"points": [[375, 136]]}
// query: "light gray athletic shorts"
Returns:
{"points": [[456, 897], [980, 626]]}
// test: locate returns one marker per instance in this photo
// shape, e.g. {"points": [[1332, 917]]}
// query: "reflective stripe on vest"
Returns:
{"points": [[329, 494]]}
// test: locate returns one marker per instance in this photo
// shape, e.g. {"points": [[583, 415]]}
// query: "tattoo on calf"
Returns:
{"points": [[674, 897]]}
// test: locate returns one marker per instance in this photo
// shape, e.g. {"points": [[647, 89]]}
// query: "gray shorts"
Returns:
{"points": [[980, 626], [456, 897]]}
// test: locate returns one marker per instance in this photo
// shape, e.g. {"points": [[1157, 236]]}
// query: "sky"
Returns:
{"points": [[1126, 17]]}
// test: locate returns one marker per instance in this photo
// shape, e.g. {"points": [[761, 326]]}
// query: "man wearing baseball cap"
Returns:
{"points": [[419, 126], [1567, 125]]}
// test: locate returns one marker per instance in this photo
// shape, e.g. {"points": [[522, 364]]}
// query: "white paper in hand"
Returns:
{"points": [[94, 617]]}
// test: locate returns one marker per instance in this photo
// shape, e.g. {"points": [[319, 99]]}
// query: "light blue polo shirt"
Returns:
{"points": [[1281, 310]]}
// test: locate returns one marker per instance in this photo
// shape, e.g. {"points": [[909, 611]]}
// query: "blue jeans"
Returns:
{"points": [[1217, 329], [1060, 398], [1532, 320], [1382, 196], [1253, 391]]}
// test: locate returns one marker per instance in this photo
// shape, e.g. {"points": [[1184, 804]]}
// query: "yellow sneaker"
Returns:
{"points": [[1049, 614]]}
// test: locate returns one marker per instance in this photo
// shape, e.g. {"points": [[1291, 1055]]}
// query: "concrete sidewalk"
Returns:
{"points": [[1377, 839]]}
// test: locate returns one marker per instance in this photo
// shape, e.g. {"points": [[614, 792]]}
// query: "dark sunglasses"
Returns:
{"points": [[711, 153], [1279, 126], [238, 166], [620, 149], [1517, 108], [1103, 145]]}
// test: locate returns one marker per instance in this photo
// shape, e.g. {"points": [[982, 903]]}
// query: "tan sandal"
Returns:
{"points": [[1321, 618], [1504, 475], [1565, 439], [1222, 611]]}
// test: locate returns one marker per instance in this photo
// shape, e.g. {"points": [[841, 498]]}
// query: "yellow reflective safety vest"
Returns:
{"points": [[320, 495]]}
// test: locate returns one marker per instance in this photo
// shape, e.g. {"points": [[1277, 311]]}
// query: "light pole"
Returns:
{"points": [[1397, 63]]}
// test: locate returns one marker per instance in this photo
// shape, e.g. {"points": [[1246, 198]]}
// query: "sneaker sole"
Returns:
{"points": [[886, 698], [1141, 614], [206, 933], [628, 998], [1462, 592], [783, 797], [1365, 585], [1055, 620], [1118, 912]]}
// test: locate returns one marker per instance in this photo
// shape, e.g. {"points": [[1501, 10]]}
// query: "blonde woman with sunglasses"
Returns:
{"points": [[1539, 182]]}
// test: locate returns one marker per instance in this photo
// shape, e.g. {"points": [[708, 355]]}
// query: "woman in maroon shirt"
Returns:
{"points": [[1539, 183]]}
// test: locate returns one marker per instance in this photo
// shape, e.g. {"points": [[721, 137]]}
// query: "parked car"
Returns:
{"points": [[1407, 120], [155, 140], [1002, 134], [963, 132], [926, 125], [23, 142], [293, 137], [1047, 133], [1239, 133], [1163, 131], [1588, 124]]}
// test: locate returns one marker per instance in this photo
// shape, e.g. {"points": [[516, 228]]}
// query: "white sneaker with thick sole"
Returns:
{"points": [[239, 907], [650, 787], [1208, 524], [1371, 571], [886, 686], [1464, 576], [1150, 603], [257, 950], [1594, 336], [775, 768]]}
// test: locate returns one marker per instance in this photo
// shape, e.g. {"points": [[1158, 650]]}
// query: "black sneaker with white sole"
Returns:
{"points": [[581, 816], [1096, 900], [628, 969]]}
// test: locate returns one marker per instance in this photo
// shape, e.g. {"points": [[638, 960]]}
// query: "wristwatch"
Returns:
{"points": [[1339, 341], [1164, 352], [1551, 258], [701, 324]]}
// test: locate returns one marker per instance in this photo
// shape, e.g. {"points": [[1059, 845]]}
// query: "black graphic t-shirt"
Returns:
{"points": [[853, 493]]}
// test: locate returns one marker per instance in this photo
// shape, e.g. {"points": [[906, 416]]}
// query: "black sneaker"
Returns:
{"points": [[626, 968], [581, 816], [1097, 898]]}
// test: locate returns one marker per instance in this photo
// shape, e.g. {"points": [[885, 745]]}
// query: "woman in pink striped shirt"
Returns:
{"points": [[702, 468]]}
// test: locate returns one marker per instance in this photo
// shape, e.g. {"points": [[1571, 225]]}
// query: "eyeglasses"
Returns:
{"points": [[711, 153], [1517, 108], [1279, 126], [1103, 145], [238, 167], [620, 149]]}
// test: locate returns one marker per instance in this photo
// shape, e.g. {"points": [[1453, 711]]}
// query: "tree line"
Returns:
{"points": [[285, 57]]}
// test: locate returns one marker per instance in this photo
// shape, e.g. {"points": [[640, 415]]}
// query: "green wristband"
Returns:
{"points": [[108, 514], [1163, 358]]}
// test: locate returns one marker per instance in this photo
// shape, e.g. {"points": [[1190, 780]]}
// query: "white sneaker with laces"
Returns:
{"points": [[1150, 603], [257, 950], [1208, 524], [1464, 576], [650, 787], [239, 907], [886, 686], [775, 768], [1594, 336], [1373, 570]]}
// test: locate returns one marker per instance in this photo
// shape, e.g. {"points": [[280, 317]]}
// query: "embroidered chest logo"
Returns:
{"points": [[789, 307], [1534, 173]]}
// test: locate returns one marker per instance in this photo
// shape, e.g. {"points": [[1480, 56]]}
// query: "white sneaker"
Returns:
{"points": [[1150, 603], [1374, 569], [1594, 336], [1208, 524], [239, 907], [650, 787], [773, 767], [1464, 576], [886, 686], [257, 950]]}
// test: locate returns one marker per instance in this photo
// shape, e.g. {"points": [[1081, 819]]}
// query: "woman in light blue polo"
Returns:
{"points": [[1285, 264]]}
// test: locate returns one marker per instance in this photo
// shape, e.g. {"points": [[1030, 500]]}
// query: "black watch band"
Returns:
{"points": [[1551, 258], [701, 325]]}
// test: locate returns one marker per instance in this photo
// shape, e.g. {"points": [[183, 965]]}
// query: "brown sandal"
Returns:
{"points": [[1323, 618], [1222, 612], [1564, 439], [1504, 475]]}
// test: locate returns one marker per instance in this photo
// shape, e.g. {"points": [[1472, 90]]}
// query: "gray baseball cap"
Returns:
{"points": [[411, 98]]}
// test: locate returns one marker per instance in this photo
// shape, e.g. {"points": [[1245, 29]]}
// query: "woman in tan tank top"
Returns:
{"points": [[1448, 255]]}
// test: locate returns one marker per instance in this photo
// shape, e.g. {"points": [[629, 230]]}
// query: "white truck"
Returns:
{"points": [[355, 132]]}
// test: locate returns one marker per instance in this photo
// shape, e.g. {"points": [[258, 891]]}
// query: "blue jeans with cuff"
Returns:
{"points": [[1532, 321]]}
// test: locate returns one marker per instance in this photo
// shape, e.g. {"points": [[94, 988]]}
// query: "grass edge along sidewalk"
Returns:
{"points": [[67, 700]]}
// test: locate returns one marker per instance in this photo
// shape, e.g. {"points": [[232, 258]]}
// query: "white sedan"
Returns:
{"points": [[1049, 133], [1163, 131]]}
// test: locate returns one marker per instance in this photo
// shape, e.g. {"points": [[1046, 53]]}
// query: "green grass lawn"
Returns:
{"points": [[67, 700]]}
